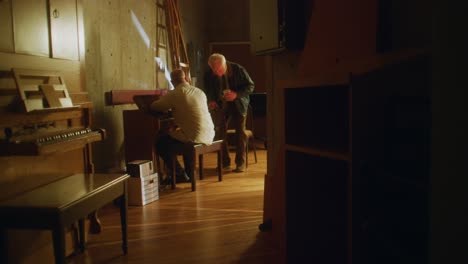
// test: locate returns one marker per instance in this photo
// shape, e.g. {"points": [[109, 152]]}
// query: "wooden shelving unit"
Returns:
{"points": [[317, 162], [354, 160]]}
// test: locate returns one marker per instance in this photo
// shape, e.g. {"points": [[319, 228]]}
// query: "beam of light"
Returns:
{"points": [[168, 77], [160, 64], [140, 30]]}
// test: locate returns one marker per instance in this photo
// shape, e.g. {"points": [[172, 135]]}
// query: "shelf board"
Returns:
{"points": [[331, 154]]}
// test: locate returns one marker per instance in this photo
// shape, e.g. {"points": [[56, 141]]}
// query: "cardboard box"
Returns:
{"points": [[140, 168], [143, 190]]}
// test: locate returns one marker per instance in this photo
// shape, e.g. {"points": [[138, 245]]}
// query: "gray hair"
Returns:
{"points": [[216, 58]]}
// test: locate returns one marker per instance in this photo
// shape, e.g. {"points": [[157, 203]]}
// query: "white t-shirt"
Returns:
{"points": [[190, 111]]}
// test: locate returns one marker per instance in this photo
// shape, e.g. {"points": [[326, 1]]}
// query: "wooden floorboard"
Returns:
{"points": [[216, 224]]}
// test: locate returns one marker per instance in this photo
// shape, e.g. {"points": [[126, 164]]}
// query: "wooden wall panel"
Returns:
{"points": [[339, 31], [228, 20]]}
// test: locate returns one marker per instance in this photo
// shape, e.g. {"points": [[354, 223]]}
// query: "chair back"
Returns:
{"points": [[249, 123]]}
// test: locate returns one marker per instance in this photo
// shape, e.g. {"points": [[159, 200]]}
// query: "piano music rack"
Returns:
{"points": [[40, 90]]}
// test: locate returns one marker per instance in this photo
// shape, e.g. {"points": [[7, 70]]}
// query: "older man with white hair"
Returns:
{"points": [[228, 86]]}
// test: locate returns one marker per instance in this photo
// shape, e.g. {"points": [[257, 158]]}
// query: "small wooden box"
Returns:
{"points": [[143, 190], [140, 168]]}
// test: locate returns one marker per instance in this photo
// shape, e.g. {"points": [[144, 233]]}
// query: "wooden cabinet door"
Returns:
{"points": [[264, 26], [64, 29], [31, 30], [6, 27]]}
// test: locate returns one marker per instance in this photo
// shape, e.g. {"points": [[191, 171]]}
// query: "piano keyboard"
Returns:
{"points": [[63, 136], [55, 142]]}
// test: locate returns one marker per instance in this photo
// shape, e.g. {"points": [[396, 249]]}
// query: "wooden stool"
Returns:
{"points": [[199, 150]]}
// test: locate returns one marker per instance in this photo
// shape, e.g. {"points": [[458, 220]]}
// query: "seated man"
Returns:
{"points": [[193, 123]]}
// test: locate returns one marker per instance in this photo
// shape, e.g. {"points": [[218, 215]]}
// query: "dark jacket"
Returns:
{"points": [[239, 81]]}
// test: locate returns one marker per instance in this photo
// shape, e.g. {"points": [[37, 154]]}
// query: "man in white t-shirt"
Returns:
{"points": [[192, 119]]}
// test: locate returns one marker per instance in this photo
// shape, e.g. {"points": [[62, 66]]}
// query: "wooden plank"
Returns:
{"points": [[49, 92]]}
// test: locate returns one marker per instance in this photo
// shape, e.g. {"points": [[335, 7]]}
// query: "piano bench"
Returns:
{"points": [[198, 150], [60, 204]]}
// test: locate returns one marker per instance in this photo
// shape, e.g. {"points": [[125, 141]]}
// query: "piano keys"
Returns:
{"points": [[50, 142]]}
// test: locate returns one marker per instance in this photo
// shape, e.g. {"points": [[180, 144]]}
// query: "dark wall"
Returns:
{"points": [[403, 24], [449, 183], [228, 20]]}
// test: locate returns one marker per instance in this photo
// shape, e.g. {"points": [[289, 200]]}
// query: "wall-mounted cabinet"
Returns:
{"points": [[47, 28], [277, 25], [30, 27], [6, 27]]}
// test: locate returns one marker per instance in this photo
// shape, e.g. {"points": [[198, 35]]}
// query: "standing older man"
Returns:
{"points": [[193, 123], [228, 86]]}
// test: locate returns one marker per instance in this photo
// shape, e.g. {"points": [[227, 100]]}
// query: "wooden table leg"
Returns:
{"points": [[220, 168], [76, 238], [200, 167], [58, 235], [123, 220], [81, 231], [193, 178], [3, 246], [94, 223]]}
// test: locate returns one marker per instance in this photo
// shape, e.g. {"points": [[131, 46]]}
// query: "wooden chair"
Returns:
{"points": [[250, 135], [198, 151]]}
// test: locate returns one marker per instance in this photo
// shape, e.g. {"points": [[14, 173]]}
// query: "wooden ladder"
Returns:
{"points": [[170, 36]]}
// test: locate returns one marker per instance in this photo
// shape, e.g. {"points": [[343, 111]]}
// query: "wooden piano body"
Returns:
{"points": [[39, 146], [141, 129]]}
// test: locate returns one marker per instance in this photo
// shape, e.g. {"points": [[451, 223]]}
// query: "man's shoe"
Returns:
{"points": [[182, 178], [239, 169], [227, 167], [166, 181]]}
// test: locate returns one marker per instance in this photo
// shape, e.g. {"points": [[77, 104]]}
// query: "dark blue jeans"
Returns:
{"points": [[166, 146], [230, 117]]}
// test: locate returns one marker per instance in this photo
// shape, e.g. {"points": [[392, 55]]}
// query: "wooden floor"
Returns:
{"points": [[216, 224]]}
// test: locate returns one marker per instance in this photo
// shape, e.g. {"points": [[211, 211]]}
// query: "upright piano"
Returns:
{"points": [[43, 118], [45, 135], [141, 128]]}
